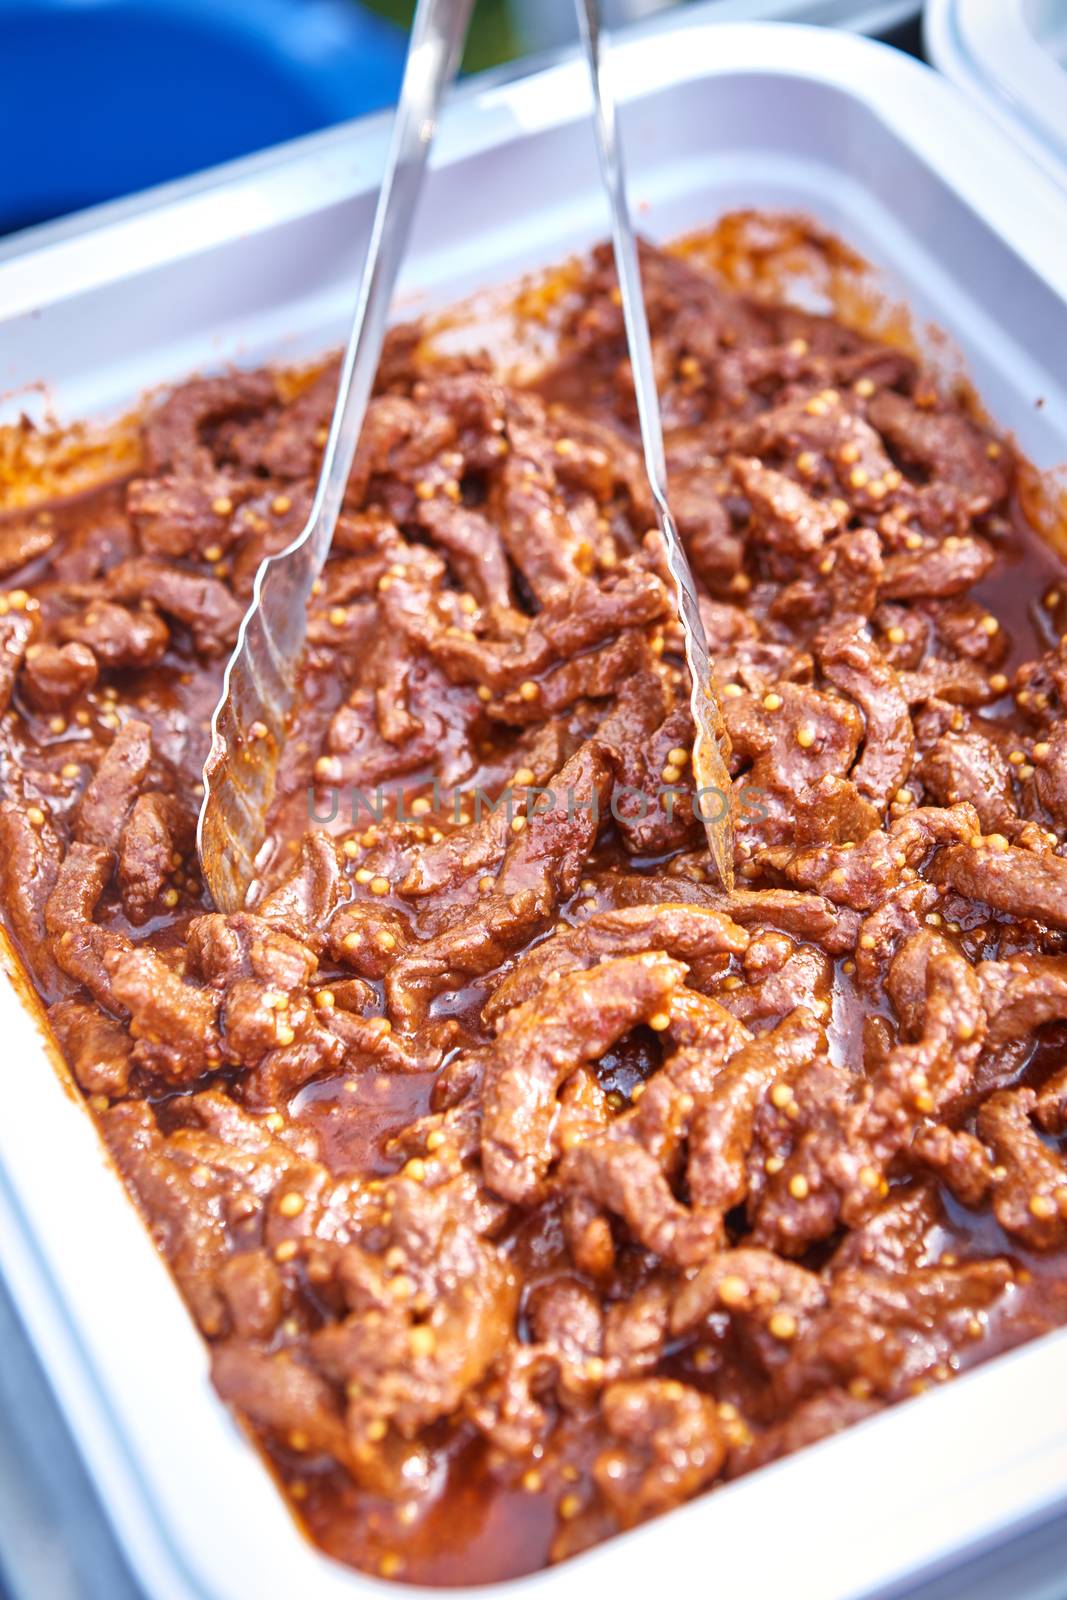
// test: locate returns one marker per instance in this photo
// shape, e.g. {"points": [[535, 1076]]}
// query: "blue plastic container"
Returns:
{"points": [[100, 98]]}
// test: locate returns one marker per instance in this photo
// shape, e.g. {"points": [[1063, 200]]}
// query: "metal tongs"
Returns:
{"points": [[711, 748], [250, 722], [249, 726]]}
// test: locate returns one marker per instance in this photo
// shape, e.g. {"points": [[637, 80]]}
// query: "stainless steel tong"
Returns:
{"points": [[713, 797], [250, 722]]}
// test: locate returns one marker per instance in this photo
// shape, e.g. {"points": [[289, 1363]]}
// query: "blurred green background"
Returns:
{"points": [[504, 29], [494, 35]]}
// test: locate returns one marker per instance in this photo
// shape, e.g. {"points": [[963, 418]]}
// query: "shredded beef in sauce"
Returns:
{"points": [[524, 1183]]}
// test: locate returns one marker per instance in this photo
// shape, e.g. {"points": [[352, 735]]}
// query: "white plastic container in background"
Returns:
{"points": [[255, 262], [550, 24], [1011, 56]]}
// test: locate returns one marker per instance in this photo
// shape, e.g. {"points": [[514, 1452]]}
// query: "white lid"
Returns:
{"points": [[858, 16], [1011, 55], [550, 24]]}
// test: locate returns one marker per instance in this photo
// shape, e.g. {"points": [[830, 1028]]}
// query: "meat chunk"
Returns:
{"points": [[919, 1321], [1019, 882], [1030, 1198], [154, 842], [16, 635], [23, 541], [427, 1317], [856, 666], [179, 516], [804, 737], [283, 1395], [473, 546], [204, 605], [541, 540], [818, 1418], [223, 949], [77, 944], [174, 434], [670, 1444], [945, 444], [848, 1130], [706, 1095], [714, 548], [200, 1190], [688, 933], [288, 444], [116, 636], [1050, 780], [783, 513], [542, 866], [307, 897], [1021, 995], [721, 1136], [254, 1293], [109, 796], [56, 675], [840, 447], [752, 1285], [966, 765], [542, 1042], [176, 1022], [29, 866], [949, 568], [97, 1048], [780, 978]]}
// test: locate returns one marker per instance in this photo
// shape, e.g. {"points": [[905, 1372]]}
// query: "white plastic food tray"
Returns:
{"points": [[255, 263], [1011, 55]]}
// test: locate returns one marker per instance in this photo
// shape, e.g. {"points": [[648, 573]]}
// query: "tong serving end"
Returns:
{"points": [[248, 731], [711, 774]]}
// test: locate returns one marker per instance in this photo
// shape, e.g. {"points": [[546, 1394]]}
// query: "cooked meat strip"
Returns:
{"points": [[540, 1045], [30, 855], [54, 675], [947, 444], [77, 944], [175, 1022], [688, 933], [855, 665], [114, 786], [968, 765], [204, 605], [98, 1048], [949, 568], [116, 636], [1016, 881], [1030, 1181], [154, 842], [23, 541], [670, 1443]]}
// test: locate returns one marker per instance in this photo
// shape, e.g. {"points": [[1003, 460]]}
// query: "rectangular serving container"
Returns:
{"points": [[255, 263]]}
